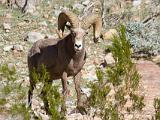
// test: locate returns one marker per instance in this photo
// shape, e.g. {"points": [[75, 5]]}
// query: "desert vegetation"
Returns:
{"points": [[119, 78]]}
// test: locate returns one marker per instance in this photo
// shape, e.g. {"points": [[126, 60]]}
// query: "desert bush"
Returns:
{"points": [[157, 108], [12, 91], [54, 98], [122, 78], [144, 38]]}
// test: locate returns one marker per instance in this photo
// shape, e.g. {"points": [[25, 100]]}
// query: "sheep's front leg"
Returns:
{"points": [[64, 85], [77, 88], [65, 91], [80, 105]]}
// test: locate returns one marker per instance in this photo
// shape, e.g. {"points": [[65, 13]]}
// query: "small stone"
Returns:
{"points": [[8, 48], [34, 36], [57, 12], [1, 38], [78, 6], [136, 2], [86, 91], [109, 59], [108, 35], [46, 16], [43, 23], [30, 9], [21, 24], [6, 26], [156, 59], [44, 116], [8, 106], [7, 31], [18, 48], [11, 66], [8, 15], [2, 1], [86, 2]]}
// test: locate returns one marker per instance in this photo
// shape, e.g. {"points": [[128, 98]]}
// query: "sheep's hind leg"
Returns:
{"points": [[30, 95], [80, 105], [44, 93], [30, 91]]}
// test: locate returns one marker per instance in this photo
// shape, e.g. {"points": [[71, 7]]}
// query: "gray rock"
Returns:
{"points": [[7, 27], [3, 1], [57, 12], [11, 66], [34, 36], [86, 2], [30, 8], [109, 59], [8, 48], [1, 38], [18, 47], [136, 3], [43, 23], [78, 6], [156, 59], [86, 91]]}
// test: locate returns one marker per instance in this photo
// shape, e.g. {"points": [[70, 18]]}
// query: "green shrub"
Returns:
{"points": [[53, 96], [9, 76], [122, 78], [157, 108]]}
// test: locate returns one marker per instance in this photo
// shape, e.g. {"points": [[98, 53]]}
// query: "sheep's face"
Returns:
{"points": [[78, 38]]}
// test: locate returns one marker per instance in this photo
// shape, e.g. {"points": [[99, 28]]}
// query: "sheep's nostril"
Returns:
{"points": [[78, 46]]}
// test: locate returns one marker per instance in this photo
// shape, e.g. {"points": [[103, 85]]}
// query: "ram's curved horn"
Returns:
{"points": [[67, 16], [96, 22]]}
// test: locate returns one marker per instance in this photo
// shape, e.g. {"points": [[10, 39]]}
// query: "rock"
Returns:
{"points": [[8, 48], [86, 2], [30, 9], [8, 106], [109, 34], [46, 16], [1, 39], [18, 48], [157, 59], [3, 1], [7, 27], [78, 6], [109, 59], [44, 116], [86, 91], [21, 24], [57, 12], [34, 36], [8, 15], [11, 66], [136, 2], [43, 23]]}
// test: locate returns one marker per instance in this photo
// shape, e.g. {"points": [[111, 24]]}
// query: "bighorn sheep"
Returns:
{"points": [[63, 57]]}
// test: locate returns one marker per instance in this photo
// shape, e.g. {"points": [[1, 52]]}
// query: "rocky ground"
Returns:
{"points": [[18, 31]]}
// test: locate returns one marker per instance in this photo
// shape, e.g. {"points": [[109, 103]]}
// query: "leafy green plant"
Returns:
{"points": [[52, 94], [157, 108], [21, 109], [122, 78], [9, 77]]}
